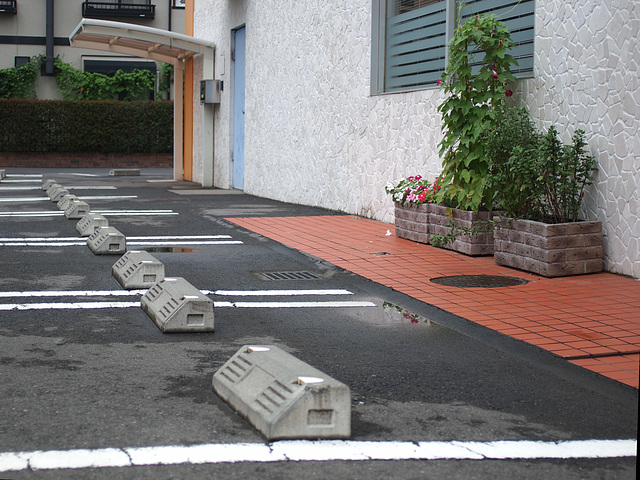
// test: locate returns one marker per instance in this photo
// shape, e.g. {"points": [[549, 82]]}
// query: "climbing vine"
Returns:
{"points": [[19, 82], [78, 85]]}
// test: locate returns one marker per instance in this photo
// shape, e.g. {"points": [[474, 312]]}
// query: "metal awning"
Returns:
{"points": [[138, 40], [154, 44]]}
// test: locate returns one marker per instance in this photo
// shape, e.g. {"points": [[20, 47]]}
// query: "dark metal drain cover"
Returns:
{"points": [[303, 275], [479, 281]]}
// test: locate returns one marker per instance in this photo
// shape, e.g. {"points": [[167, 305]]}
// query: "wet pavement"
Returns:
{"points": [[83, 367]]}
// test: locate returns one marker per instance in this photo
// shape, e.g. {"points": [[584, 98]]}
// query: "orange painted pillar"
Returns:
{"points": [[188, 97]]}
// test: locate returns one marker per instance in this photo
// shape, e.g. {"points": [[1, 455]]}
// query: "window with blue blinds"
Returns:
{"points": [[518, 16], [410, 38], [416, 36]]}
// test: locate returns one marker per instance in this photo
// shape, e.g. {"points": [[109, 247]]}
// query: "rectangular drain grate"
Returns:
{"points": [[304, 275]]}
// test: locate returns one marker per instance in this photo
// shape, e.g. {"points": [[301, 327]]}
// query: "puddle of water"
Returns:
{"points": [[391, 315], [169, 250]]}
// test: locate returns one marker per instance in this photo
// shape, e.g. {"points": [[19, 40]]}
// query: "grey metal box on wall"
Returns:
{"points": [[90, 223], [175, 305], [107, 241], [283, 397], [138, 270]]}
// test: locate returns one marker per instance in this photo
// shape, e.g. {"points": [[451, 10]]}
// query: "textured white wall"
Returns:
{"points": [[586, 76], [315, 136]]}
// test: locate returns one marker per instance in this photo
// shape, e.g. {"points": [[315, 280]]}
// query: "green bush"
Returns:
{"points": [[86, 126]]}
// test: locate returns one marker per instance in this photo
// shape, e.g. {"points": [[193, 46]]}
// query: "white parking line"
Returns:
{"points": [[83, 197], [102, 305], [313, 451], [125, 213], [126, 293], [79, 187]]}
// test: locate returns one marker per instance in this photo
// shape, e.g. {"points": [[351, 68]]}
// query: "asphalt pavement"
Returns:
{"points": [[91, 388]]}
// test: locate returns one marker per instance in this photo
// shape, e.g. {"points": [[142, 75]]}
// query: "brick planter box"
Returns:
{"points": [[419, 223], [549, 250], [412, 222]]}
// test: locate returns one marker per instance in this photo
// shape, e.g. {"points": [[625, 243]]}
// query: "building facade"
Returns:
{"points": [[316, 128], [30, 28]]}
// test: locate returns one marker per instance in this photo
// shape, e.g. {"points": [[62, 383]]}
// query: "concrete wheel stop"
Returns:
{"points": [[77, 209], [90, 223], [138, 270], [107, 241], [283, 397], [176, 306]]}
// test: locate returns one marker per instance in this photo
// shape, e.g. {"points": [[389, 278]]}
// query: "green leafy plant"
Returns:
{"points": [[78, 85], [543, 179], [165, 73], [414, 190], [19, 82], [475, 83]]}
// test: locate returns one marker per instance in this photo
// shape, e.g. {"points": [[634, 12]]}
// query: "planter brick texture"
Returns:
{"points": [[549, 250], [419, 223]]}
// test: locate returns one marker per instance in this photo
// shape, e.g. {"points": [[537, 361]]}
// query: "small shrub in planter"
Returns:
{"points": [[541, 187]]}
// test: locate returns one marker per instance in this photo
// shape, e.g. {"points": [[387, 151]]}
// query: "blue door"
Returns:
{"points": [[238, 109]]}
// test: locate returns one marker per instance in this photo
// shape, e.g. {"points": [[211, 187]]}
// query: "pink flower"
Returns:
{"points": [[418, 177], [495, 74], [508, 93], [439, 82]]}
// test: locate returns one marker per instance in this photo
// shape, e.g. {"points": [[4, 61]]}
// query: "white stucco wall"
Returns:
{"points": [[315, 136], [587, 68]]}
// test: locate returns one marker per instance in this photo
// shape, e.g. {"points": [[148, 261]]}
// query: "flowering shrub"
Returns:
{"points": [[414, 190]]}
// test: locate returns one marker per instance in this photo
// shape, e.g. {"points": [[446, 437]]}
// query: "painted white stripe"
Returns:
{"points": [[35, 180], [69, 239], [103, 305], [67, 306], [25, 175], [82, 197], [73, 293], [125, 293], [313, 451], [292, 304], [256, 293], [79, 187], [102, 212], [79, 243]]}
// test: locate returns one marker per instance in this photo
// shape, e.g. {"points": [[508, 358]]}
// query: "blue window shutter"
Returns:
{"points": [[415, 44], [519, 18]]}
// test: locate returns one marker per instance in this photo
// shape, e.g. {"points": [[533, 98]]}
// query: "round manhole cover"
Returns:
{"points": [[479, 281]]}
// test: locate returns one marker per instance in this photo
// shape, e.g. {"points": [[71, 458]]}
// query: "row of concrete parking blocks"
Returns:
{"points": [[280, 395]]}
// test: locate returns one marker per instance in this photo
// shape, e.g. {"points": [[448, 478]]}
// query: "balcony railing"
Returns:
{"points": [[119, 9], [9, 6]]}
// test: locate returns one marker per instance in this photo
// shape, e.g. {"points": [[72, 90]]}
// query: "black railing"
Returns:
{"points": [[119, 9], [9, 6]]}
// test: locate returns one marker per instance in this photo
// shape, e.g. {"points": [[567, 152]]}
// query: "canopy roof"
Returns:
{"points": [[138, 40]]}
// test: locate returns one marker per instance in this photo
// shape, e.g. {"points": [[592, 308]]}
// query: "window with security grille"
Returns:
{"points": [[409, 38]]}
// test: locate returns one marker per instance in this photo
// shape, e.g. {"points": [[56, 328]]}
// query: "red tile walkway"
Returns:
{"points": [[591, 320]]}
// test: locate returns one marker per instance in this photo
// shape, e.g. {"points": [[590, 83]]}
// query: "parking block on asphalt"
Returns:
{"points": [[77, 209], [65, 201], [58, 193], [90, 223], [176, 306], [125, 172], [107, 241], [47, 184], [138, 269], [282, 396]]}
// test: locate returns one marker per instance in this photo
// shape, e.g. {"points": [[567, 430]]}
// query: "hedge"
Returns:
{"points": [[86, 126]]}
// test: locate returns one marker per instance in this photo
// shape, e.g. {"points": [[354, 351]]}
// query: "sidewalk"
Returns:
{"points": [[590, 320]]}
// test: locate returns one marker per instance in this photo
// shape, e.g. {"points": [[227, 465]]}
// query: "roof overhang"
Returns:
{"points": [[138, 40]]}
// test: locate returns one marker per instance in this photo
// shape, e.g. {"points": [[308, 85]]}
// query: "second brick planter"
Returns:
{"points": [[550, 250]]}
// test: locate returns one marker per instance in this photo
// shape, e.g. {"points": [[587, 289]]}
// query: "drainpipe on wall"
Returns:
{"points": [[170, 10], [48, 66]]}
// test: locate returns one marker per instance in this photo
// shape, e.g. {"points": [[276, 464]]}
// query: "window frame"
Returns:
{"points": [[379, 47]]}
